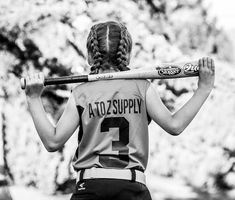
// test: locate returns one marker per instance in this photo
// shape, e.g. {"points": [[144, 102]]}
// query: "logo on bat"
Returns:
{"points": [[189, 68], [104, 77], [168, 71]]}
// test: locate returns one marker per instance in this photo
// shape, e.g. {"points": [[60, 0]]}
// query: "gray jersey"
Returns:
{"points": [[113, 129]]}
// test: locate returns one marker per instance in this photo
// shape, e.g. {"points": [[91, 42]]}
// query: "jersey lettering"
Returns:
{"points": [[109, 106], [115, 106], [91, 113]]}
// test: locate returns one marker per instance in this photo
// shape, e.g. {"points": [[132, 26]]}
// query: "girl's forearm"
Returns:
{"points": [[46, 130], [185, 115]]}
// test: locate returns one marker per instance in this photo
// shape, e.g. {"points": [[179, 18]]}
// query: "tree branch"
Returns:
{"points": [[157, 9], [79, 51]]}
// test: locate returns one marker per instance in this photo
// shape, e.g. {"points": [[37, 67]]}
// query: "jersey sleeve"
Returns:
{"points": [[75, 92]]}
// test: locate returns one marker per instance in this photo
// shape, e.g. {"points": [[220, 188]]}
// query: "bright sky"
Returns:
{"points": [[225, 10]]}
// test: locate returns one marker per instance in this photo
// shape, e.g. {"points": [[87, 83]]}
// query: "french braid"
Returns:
{"points": [[122, 50], [97, 56]]}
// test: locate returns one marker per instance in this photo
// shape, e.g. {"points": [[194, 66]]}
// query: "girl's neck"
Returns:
{"points": [[111, 70]]}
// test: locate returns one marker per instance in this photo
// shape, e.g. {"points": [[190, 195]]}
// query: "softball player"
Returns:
{"points": [[113, 116]]}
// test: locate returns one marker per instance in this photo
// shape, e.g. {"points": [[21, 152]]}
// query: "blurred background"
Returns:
{"points": [[50, 36]]}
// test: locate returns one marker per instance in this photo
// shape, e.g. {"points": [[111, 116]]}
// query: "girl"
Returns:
{"points": [[113, 116]]}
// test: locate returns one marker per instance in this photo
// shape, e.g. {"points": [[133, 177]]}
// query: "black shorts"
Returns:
{"points": [[113, 189]]}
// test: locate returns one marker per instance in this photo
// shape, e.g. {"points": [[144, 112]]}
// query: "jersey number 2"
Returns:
{"points": [[122, 159]]}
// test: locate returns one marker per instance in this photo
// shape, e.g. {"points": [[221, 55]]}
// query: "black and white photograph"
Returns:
{"points": [[117, 100]]}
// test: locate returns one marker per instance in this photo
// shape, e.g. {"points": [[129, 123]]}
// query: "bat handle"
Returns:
{"points": [[58, 80], [23, 83]]}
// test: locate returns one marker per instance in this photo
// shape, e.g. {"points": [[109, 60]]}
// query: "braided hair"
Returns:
{"points": [[123, 49], [108, 46]]}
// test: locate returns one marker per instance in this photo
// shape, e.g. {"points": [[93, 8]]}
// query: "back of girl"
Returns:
{"points": [[113, 134], [113, 116]]}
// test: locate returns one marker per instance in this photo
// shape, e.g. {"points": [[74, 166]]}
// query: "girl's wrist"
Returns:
{"points": [[205, 89], [33, 98]]}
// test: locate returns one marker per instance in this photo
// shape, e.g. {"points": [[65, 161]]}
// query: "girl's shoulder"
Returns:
{"points": [[79, 86], [109, 85]]}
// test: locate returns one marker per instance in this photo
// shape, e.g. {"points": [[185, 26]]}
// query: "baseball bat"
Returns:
{"points": [[162, 71]]}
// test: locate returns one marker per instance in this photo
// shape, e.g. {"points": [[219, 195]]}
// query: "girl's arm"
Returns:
{"points": [[177, 122], [52, 136]]}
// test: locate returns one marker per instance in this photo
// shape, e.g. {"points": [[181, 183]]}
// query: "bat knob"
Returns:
{"points": [[23, 83]]}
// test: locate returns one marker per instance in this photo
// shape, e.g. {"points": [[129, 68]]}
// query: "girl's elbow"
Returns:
{"points": [[175, 132], [53, 144], [176, 129], [52, 147]]}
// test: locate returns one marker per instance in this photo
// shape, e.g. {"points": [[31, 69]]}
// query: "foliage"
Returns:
{"points": [[50, 36]]}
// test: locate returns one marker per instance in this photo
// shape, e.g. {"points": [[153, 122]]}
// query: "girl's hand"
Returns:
{"points": [[206, 73], [34, 85]]}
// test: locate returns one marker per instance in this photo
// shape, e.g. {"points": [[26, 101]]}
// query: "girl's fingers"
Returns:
{"points": [[36, 78], [200, 63], [30, 79], [209, 63], [41, 75], [27, 80], [204, 62], [212, 66], [33, 79]]}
